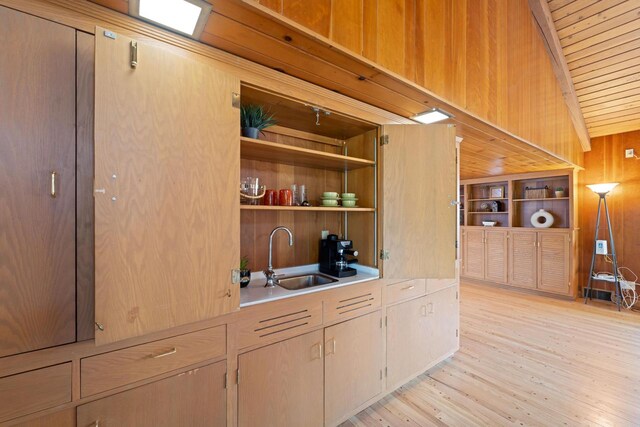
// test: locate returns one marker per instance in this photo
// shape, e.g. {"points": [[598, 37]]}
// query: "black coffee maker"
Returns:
{"points": [[333, 256]]}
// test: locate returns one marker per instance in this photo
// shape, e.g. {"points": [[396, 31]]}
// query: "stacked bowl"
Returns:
{"points": [[329, 198], [349, 200]]}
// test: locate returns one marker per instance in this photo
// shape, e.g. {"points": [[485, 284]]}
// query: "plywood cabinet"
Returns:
{"points": [[421, 332], [523, 259], [484, 254], [554, 253], [353, 365], [282, 384], [167, 225], [193, 398], [419, 190], [37, 181], [407, 343], [473, 253], [443, 314], [496, 255]]}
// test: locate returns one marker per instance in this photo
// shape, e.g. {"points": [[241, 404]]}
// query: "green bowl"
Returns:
{"points": [[330, 194], [348, 195], [348, 203], [330, 202]]}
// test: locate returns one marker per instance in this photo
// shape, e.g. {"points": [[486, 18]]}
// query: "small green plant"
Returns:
{"points": [[559, 189], [254, 116], [244, 263]]}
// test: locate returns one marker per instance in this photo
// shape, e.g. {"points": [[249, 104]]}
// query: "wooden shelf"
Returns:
{"points": [[545, 199], [255, 149], [486, 200], [304, 208], [486, 213]]}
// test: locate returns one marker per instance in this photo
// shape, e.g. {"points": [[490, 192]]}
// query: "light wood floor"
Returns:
{"points": [[525, 361]]}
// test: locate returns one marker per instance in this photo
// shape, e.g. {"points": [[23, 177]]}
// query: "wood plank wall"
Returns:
{"points": [[483, 55], [606, 163]]}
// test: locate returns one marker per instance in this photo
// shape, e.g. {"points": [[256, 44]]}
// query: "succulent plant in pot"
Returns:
{"points": [[559, 192], [253, 119], [245, 273]]}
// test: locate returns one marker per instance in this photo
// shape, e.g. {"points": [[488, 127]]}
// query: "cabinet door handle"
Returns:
{"points": [[166, 353], [54, 174], [319, 356], [408, 288], [423, 311], [430, 308], [333, 346]]}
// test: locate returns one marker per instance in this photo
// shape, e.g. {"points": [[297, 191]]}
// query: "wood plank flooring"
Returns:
{"points": [[525, 360]]}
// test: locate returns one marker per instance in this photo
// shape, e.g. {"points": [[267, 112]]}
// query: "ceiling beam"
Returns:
{"points": [[544, 23]]}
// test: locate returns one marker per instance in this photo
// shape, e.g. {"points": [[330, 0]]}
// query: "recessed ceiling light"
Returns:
{"points": [[431, 116], [185, 16]]}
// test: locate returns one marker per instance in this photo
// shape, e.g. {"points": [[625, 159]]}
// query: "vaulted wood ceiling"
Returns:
{"points": [[600, 40]]}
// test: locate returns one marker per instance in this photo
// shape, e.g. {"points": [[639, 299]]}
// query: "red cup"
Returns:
{"points": [[271, 198], [286, 198]]}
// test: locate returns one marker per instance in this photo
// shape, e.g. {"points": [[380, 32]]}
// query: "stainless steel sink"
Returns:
{"points": [[305, 281]]}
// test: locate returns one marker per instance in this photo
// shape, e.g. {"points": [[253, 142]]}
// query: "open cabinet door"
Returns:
{"points": [[418, 195], [167, 157]]}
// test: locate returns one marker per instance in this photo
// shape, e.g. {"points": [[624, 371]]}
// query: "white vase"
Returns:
{"points": [[542, 219]]}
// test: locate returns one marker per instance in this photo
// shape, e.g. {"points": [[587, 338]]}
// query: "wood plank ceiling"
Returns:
{"points": [[486, 150], [601, 43]]}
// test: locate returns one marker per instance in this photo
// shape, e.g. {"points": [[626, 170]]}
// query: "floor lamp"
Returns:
{"points": [[602, 190]]}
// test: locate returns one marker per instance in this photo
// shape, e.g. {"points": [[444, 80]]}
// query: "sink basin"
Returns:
{"points": [[305, 281]]}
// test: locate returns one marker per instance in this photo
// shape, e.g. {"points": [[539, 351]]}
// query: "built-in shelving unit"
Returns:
{"points": [[517, 204]]}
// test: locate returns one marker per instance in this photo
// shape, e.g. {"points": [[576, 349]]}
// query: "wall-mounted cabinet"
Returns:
{"points": [[336, 155]]}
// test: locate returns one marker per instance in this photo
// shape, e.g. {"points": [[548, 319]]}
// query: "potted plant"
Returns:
{"points": [[245, 273], [559, 192], [253, 119]]}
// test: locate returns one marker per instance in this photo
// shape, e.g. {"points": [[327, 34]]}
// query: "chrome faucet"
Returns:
{"points": [[272, 280]]}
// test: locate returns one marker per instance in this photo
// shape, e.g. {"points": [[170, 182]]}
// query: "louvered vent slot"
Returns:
{"points": [[356, 303], [282, 323]]}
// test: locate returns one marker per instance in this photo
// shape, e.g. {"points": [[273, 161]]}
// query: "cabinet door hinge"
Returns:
{"points": [[235, 100], [384, 254], [384, 140], [235, 276]]}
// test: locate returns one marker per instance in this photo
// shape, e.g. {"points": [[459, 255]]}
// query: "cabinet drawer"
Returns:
{"points": [[349, 302], [34, 391], [277, 320], [406, 290], [121, 367]]}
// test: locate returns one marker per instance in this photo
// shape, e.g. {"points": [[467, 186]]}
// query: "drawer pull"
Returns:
{"points": [[166, 353], [408, 288]]}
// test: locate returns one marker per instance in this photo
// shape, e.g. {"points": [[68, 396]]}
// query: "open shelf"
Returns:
{"points": [[486, 200], [304, 208], [545, 199], [255, 149], [487, 213]]}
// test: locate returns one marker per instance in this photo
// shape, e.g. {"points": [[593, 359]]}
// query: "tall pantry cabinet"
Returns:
{"points": [[37, 181]]}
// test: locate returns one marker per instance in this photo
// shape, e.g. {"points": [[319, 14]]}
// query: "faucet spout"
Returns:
{"points": [[272, 280]]}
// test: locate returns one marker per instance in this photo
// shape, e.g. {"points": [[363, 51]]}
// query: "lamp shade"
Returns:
{"points": [[602, 188]]}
